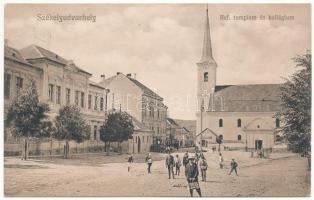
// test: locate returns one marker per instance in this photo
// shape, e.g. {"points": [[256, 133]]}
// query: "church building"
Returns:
{"points": [[243, 115]]}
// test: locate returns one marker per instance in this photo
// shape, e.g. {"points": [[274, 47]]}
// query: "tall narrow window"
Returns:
{"points": [[68, 96], [89, 101], [7, 85], [19, 85], [58, 94], [101, 104], [239, 123], [205, 76], [277, 123], [95, 132], [95, 104], [221, 123], [50, 92], [82, 99], [77, 97]]}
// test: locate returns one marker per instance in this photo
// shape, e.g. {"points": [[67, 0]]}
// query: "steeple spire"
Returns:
{"points": [[207, 55]]}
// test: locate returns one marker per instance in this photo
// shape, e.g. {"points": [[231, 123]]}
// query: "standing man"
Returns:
{"points": [[191, 173], [170, 165], [185, 158], [234, 166], [177, 164], [149, 162], [221, 160], [203, 167]]}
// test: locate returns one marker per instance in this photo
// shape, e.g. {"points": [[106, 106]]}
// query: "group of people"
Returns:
{"points": [[191, 163]]}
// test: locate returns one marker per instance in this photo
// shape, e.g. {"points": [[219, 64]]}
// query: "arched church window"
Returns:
{"points": [[239, 137], [239, 123], [205, 76], [277, 123], [221, 123]]}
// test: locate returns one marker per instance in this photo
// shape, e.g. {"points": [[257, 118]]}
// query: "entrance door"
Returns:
{"points": [[258, 144], [139, 145]]}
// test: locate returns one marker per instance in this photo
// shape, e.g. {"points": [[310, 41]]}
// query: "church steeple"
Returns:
{"points": [[206, 70], [207, 55]]}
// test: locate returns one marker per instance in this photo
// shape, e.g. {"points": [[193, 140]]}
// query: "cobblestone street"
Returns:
{"points": [[280, 176]]}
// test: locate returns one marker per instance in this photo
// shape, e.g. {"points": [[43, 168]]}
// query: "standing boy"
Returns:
{"points": [[191, 173], [177, 164], [130, 161], [149, 162], [203, 166], [234, 166]]}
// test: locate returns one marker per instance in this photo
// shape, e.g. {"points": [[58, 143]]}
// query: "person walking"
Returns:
{"points": [[177, 164], [130, 161], [221, 160], [234, 166], [185, 159], [170, 165], [191, 174], [203, 166], [149, 162]]}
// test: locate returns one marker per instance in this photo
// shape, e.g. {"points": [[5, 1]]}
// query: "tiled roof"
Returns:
{"points": [[14, 54], [247, 98], [36, 52], [190, 125], [172, 122], [92, 83], [138, 126], [145, 89]]}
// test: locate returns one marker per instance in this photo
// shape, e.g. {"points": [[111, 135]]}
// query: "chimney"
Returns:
{"points": [[6, 42], [118, 73], [103, 77], [129, 75], [134, 76]]}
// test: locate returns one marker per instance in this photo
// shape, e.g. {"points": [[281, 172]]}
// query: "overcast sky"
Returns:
{"points": [[162, 43]]}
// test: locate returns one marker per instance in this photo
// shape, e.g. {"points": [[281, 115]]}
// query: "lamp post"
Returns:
{"points": [[202, 108]]}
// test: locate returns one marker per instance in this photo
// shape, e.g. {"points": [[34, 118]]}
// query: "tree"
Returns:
{"points": [[26, 116], [118, 128], [70, 125], [296, 105], [219, 140]]}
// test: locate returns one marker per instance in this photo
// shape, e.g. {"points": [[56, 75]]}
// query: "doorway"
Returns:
{"points": [[258, 144], [138, 145]]}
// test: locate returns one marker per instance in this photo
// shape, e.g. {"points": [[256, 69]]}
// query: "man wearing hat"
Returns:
{"points": [[170, 165], [191, 173]]}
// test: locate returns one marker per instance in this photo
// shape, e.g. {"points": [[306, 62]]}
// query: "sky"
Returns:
{"points": [[162, 43]]}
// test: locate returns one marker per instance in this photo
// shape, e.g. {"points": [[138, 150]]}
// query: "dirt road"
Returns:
{"points": [[278, 177]]}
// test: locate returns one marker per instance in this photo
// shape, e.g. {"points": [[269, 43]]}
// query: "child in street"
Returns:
{"points": [[149, 162], [130, 161], [234, 166], [177, 164], [203, 166], [221, 160]]}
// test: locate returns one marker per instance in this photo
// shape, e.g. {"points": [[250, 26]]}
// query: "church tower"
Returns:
{"points": [[206, 71]]}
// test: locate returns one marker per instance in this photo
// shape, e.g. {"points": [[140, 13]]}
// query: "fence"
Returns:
{"points": [[44, 147]]}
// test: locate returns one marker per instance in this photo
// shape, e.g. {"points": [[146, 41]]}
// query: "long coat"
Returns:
{"points": [[191, 172]]}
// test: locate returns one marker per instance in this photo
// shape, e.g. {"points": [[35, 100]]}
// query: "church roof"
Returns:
{"points": [[37, 52], [246, 98]]}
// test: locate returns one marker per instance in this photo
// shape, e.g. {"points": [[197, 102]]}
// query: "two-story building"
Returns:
{"points": [[129, 95], [59, 81]]}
